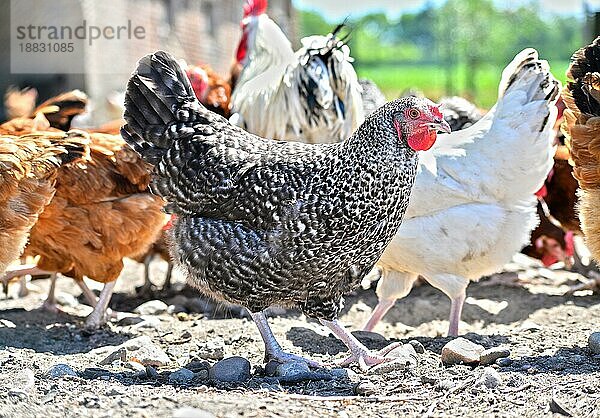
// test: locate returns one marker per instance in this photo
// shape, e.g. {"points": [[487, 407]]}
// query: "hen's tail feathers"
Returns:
{"points": [[46, 152], [60, 110], [582, 115], [160, 106], [528, 73]]}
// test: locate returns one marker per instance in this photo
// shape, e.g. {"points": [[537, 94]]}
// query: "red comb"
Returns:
{"points": [[255, 7], [436, 112]]}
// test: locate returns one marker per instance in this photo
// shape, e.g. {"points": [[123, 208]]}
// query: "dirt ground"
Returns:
{"points": [[546, 332]]}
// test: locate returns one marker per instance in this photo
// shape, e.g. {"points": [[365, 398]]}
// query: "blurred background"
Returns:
{"points": [[453, 47]]}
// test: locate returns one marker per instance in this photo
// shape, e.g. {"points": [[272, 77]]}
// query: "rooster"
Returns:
{"points": [[28, 170], [582, 131], [311, 96], [101, 213], [473, 205], [262, 222]]}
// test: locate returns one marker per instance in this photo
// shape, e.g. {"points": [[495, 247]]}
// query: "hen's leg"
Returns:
{"points": [[50, 302], [87, 293], [456, 305], [273, 350], [359, 353], [392, 285], [98, 316], [146, 289], [24, 270], [167, 284], [23, 290]]}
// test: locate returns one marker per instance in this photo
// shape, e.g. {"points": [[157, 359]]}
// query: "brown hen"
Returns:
{"points": [[102, 211], [582, 130], [28, 170]]}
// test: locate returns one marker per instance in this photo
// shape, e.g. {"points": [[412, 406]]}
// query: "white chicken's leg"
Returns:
{"points": [[391, 286], [98, 316], [455, 287], [456, 305], [359, 353], [273, 350], [50, 302]]}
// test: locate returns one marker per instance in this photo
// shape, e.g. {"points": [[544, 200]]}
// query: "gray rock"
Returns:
{"points": [[461, 350], [490, 355], [60, 370], [119, 354], [365, 388], [129, 320], [152, 307], [189, 412], [232, 369], [339, 373], [197, 365], [417, 346], [490, 378], [504, 362], [594, 342], [211, 351], [181, 377]]}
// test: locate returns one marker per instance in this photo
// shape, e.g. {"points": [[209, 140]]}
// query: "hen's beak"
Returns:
{"points": [[442, 125]]}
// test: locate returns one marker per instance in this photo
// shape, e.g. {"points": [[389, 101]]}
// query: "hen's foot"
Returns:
{"points": [[283, 357], [593, 284], [367, 358], [505, 279], [52, 307]]}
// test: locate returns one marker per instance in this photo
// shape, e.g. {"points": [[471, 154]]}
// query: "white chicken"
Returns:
{"points": [[473, 205], [312, 95]]}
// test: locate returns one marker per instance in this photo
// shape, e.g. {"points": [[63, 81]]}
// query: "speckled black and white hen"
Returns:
{"points": [[263, 222]]}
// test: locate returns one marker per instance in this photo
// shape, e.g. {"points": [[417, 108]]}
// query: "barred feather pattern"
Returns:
{"points": [[263, 222]]}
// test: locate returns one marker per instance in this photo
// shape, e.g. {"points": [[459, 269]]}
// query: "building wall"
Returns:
{"points": [[198, 31]]}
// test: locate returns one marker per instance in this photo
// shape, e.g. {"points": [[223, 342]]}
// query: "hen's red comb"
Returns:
{"points": [[255, 7]]}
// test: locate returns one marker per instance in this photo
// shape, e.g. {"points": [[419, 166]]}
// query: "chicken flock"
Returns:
{"points": [[291, 181]]}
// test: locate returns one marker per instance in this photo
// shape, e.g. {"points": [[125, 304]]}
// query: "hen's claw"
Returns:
{"points": [[367, 358]]}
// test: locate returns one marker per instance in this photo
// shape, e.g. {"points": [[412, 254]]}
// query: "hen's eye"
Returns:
{"points": [[413, 113]]}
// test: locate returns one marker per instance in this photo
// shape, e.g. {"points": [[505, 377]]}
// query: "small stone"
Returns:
{"points": [[5, 323], [120, 354], [594, 342], [504, 362], [211, 351], [405, 353], [189, 412], [232, 369], [114, 392], [151, 372], [66, 299], [339, 373], [293, 372], [490, 355], [145, 351], [60, 370], [129, 320], [181, 377], [24, 380], [461, 350], [152, 307], [365, 388], [490, 378], [197, 365], [419, 349]]}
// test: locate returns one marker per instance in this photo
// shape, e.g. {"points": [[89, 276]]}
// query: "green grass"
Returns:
{"points": [[431, 80]]}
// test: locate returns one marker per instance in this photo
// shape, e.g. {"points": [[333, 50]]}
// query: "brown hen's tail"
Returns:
{"points": [[582, 130], [60, 110], [45, 152]]}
